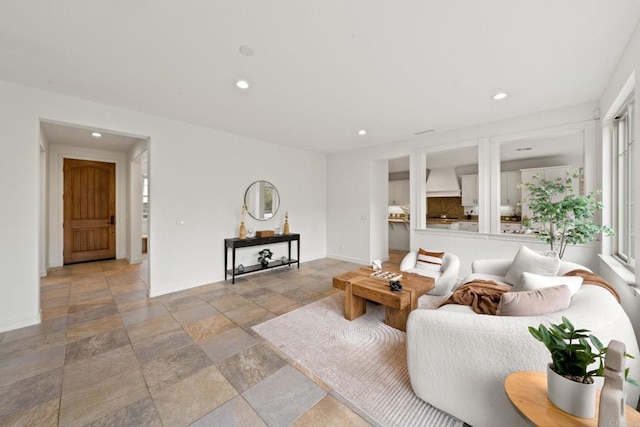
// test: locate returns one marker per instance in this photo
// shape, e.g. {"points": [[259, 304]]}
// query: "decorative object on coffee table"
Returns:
{"points": [[243, 228], [264, 233], [386, 275], [264, 256], [395, 285]]}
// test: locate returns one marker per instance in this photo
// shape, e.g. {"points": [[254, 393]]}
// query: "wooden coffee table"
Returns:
{"points": [[359, 286]]}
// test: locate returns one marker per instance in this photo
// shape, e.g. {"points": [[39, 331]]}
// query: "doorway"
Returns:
{"points": [[399, 204], [89, 211]]}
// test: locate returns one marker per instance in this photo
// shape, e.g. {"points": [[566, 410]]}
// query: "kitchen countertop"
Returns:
{"points": [[451, 220]]}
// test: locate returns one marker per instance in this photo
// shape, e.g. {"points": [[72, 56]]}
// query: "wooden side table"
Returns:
{"points": [[527, 392]]}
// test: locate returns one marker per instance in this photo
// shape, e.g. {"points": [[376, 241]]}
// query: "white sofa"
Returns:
{"points": [[444, 280], [458, 360]]}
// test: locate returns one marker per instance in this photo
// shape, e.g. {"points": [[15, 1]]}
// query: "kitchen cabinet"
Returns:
{"points": [[510, 228], [469, 190], [468, 226], [439, 226], [399, 235], [550, 173], [510, 192], [398, 192]]}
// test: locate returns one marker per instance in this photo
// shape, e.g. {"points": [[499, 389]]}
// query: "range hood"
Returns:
{"points": [[443, 182]]}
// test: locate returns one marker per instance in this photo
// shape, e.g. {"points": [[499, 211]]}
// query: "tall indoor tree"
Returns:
{"points": [[562, 217]]}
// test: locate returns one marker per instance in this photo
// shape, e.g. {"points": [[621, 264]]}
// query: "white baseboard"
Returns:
{"points": [[134, 260], [20, 323], [355, 260], [156, 293]]}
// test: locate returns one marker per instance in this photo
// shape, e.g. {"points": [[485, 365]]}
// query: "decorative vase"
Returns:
{"points": [[286, 223], [243, 231], [265, 263], [572, 397]]}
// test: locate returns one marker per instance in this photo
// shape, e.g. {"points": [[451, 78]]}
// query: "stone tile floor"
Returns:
{"points": [[107, 355]]}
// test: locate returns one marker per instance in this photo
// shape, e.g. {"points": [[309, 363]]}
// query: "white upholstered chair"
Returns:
{"points": [[445, 279]]}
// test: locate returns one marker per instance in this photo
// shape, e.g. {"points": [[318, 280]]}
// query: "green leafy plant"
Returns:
{"points": [[571, 351], [264, 256], [566, 218]]}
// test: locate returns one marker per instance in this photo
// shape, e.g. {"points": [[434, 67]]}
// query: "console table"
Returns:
{"points": [[235, 243]]}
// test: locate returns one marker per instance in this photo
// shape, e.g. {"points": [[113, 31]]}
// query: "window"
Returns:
{"points": [[451, 188], [624, 179], [145, 197]]}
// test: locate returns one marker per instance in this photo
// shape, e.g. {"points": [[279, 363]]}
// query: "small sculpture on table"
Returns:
{"points": [[286, 222], [612, 396]]}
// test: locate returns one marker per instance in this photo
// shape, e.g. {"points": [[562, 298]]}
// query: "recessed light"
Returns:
{"points": [[247, 50], [242, 84], [500, 95], [96, 134], [362, 132]]}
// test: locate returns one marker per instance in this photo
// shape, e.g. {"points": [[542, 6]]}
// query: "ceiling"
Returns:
{"points": [[60, 134], [320, 71]]}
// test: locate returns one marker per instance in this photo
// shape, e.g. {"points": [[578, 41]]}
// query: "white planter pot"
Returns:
{"points": [[575, 398]]}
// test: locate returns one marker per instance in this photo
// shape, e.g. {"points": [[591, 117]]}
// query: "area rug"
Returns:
{"points": [[363, 361]]}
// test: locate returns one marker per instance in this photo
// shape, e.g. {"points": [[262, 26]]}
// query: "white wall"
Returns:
{"points": [[625, 76], [44, 205], [348, 202], [199, 177], [379, 211], [19, 216], [349, 183]]}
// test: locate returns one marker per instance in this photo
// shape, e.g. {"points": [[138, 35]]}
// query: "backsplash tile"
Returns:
{"points": [[449, 206]]}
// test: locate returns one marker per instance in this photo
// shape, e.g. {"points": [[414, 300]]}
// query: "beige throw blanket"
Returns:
{"points": [[589, 278], [483, 296]]}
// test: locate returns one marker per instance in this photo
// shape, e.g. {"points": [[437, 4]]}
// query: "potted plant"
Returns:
{"points": [[570, 381], [564, 217], [264, 256]]}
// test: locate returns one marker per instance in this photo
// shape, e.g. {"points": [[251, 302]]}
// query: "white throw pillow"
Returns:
{"points": [[533, 282], [531, 261]]}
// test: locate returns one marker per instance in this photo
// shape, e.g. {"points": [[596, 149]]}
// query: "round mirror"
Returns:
{"points": [[262, 200]]}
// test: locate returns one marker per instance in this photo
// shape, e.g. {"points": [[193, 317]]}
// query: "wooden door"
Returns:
{"points": [[89, 210]]}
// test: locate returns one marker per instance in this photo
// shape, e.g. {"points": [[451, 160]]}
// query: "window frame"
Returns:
{"points": [[623, 203]]}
